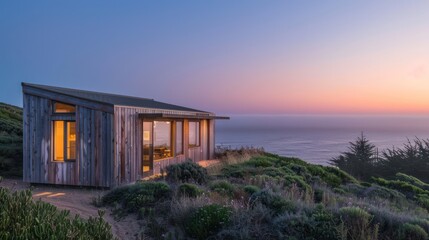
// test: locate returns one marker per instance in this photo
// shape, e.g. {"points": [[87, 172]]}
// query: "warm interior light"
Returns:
{"points": [[71, 140], [146, 135], [58, 140], [64, 108]]}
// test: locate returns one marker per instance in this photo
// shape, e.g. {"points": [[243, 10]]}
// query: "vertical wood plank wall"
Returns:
{"points": [[94, 143], [109, 146], [127, 166]]}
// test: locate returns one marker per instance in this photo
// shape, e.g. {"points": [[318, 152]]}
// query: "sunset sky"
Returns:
{"points": [[225, 56]]}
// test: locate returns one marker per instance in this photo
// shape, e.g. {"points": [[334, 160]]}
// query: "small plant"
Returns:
{"points": [[317, 223], [141, 194], [251, 189], [186, 172], [412, 232], [207, 221], [23, 218], [273, 201], [260, 161], [222, 187], [189, 190], [356, 224]]}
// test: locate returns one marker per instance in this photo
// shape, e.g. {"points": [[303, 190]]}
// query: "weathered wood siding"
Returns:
{"points": [[128, 144], [94, 142]]}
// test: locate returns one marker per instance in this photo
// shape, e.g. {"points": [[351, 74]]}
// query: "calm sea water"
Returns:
{"points": [[318, 138]]}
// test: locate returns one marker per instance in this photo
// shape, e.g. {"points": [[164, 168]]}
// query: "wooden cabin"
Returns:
{"points": [[83, 138]]}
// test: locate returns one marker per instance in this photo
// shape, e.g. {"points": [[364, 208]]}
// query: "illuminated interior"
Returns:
{"points": [[59, 140], [64, 108], [147, 146], [194, 134], [71, 140], [64, 140]]}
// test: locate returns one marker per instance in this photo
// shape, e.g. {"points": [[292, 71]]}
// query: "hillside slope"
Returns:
{"points": [[10, 140]]}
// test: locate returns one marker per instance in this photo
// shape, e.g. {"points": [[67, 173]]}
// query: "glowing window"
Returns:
{"points": [[64, 140], [194, 134], [63, 108]]}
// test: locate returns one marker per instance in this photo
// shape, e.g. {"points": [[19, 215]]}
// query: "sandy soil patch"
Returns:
{"points": [[78, 201], [208, 163]]}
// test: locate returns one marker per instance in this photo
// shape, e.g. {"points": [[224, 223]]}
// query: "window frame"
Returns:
{"points": [[172, 143], [198, 143], [65, 159], [65, 117], [62, 113], [182, 150]]}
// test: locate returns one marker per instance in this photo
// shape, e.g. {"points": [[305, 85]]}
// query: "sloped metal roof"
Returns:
{"points": [[113, 99]]}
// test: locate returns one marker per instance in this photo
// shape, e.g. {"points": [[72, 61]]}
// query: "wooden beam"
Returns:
{"points": [[178, 116]]}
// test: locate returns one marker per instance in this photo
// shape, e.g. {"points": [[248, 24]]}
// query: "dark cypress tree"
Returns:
{"points": [[360, 160]]}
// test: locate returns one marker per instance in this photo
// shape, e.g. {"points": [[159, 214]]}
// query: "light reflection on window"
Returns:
{"points": [[179, 138], [194, 134], [162, 139]]}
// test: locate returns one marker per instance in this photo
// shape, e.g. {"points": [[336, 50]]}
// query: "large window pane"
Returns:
{"points": [[147, 146], [64, 140], [71, 140], [194, 134], [58, 141], [162, 139], [179, 138]]}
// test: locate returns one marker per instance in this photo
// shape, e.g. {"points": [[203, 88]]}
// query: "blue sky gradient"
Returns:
{"points": [[225, 56]]}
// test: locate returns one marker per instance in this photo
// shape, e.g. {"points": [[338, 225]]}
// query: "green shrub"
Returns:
{"points": [[318, 195], [274, 172], [10, 140], [315, 224], [251, 189], [260, 161], [234, 171], [186, 172], [404, 187], [298, 180], [274, 202], [141, 194], [423, 200], [300, 170], [324, 223], [207, 221], [412, 232], [412, 180], [356, 224], [189, 190], [223, 187], [23, 218], [330, 175]]}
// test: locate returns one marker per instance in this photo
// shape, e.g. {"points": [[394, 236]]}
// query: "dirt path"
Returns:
{"points": [[78, 201]]}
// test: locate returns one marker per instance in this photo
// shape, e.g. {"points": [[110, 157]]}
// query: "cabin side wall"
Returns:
{"points": [[94, 142], [128, 144]]}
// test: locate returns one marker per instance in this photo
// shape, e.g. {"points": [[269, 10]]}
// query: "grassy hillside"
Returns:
{"points": [[260, 195], [10, 140]]}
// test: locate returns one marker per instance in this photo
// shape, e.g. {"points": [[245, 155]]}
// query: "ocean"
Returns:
{"points": [[318, 138]]}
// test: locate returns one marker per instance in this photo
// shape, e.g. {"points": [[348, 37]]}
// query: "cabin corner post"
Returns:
{"points": [[212, 139]]}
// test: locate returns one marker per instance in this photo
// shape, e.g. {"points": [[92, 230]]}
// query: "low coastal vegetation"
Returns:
{"points": [[10, 141], [252, 194], [23, 218], [249, 194]]}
